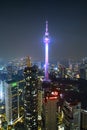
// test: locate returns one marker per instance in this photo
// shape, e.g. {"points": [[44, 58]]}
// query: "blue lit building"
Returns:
{"points": [[2, 103]]}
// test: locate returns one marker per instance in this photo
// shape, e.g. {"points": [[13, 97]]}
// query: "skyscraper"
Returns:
{"points": [[50, 110], [72, 118], [2, 102], [46, 41], [30, 97], [11, 101]]}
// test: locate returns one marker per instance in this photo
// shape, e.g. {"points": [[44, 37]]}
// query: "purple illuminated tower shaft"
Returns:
{"points": [[46, 60], [46, 41]]}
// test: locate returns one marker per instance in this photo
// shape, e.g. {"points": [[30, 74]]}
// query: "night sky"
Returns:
{"points": [[22, 27]]}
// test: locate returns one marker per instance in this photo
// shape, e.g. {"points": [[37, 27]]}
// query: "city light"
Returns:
{"points": [[60, 128], [55, 93], [14, 84], [52, 98], [49, 90]]}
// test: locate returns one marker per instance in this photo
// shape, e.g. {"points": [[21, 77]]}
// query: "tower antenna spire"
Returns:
{"points": [[46, 33]]}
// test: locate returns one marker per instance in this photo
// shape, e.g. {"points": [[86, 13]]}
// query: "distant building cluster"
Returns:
{"points": [[30, 101]]}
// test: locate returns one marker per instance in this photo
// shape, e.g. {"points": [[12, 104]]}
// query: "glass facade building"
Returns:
{"points": [[11, 101]]}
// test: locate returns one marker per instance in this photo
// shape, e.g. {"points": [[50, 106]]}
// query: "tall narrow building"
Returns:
{"points": [[2, 102], [11, 101], [50, 110], [72, 117], [30, 97]]}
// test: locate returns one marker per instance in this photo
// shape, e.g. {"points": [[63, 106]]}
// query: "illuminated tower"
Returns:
{"points": [[46, 41]]}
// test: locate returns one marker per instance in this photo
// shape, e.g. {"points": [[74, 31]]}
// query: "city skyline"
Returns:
{"points": [[22, 26]]}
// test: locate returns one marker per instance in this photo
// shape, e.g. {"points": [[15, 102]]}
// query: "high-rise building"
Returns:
{"points": [[84, 119], [83, 71], [31, 97], [50, 110], [72, 119], [2, 103], [11, 101], [40, 108]]}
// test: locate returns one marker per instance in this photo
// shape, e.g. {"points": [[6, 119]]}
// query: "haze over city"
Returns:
{"points": [[43, 65], [22, 27]]}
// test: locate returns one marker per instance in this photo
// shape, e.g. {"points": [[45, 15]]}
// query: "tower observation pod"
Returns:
{"points": [[46, 41]]}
